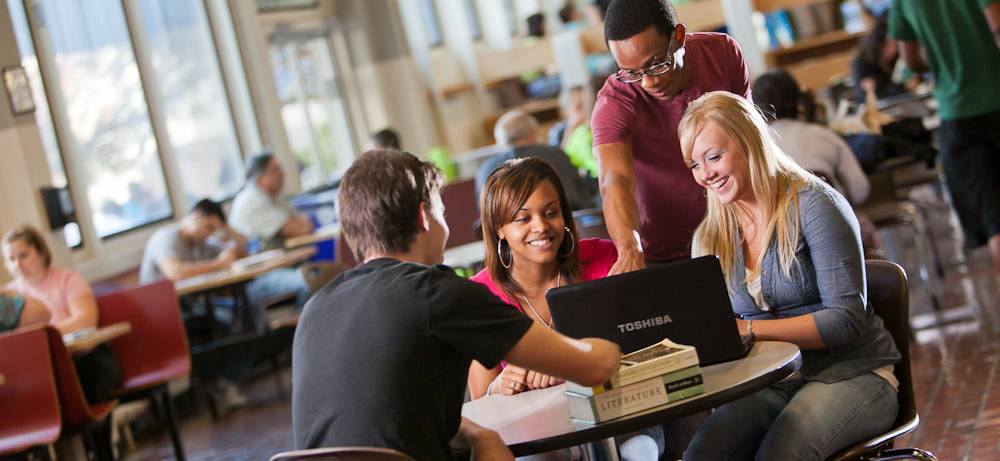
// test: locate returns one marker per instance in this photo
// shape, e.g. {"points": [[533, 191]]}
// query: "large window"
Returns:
{"points": [[431, 22], [475, 28], [95, 76], [114, 70], [71, 233], [312, 108], [186, 73]]}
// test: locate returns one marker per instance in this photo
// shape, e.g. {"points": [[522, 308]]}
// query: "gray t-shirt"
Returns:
{"points": [[167, 242]]}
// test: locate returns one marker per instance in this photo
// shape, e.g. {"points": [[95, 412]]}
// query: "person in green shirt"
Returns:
{"points": [[961, 42]]}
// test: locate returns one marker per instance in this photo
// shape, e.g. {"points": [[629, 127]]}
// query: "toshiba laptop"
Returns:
{"points": [[685, 301]]}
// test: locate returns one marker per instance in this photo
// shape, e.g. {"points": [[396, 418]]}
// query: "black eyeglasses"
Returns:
{"points": [[655, 68]]}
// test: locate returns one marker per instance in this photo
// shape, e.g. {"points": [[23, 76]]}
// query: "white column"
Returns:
{"points": [[740, 25]]}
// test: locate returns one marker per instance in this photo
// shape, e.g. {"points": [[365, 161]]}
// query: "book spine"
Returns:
{"points": [[628, 375], [600, 389], [631, 399]]}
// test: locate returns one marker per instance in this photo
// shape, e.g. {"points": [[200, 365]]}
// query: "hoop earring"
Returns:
{"points": [[500, 255], [572, 242]]}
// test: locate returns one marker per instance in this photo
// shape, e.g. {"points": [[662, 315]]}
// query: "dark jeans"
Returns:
{"points": [[970, 156], [99, 372]]}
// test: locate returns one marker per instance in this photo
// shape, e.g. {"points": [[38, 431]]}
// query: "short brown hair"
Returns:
{"points": [[505, 192], [380, 195], [30, 236]]}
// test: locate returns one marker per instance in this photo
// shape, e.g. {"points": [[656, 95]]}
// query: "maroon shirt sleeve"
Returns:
{"points": [[613, 115]]}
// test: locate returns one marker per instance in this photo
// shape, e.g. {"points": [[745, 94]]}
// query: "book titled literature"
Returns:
{"points": [[659, 359], [636, 397]]}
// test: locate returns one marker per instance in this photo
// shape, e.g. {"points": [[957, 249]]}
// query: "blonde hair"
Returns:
{"points": [[775, 180]]}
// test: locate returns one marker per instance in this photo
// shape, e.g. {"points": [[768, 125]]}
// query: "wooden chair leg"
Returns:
{"points": [[171, 413]]}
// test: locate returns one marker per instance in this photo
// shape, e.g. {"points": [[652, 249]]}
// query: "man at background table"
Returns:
{"points": [[258, 211], [961, 39], [201, 243], [651, 203]]}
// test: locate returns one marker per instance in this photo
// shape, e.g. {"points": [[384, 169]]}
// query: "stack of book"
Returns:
{"points": [[656, 375]]}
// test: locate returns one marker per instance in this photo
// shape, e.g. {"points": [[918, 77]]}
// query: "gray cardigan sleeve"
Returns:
{"points": [[832, 235]]}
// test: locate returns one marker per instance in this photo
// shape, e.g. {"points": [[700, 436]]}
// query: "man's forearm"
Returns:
{"points": [[239, 241], [188, 270], [621, 215]]}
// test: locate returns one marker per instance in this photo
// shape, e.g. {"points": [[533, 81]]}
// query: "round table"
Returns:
{"points": [[538, 421]]}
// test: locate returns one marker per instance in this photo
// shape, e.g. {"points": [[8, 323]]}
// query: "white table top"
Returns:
{"points": [[542, 416]]}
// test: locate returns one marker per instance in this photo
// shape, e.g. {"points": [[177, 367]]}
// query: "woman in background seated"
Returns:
{"points": [[17, 311], [791, 255], [529, 233], [815, 147], [70, 302]]}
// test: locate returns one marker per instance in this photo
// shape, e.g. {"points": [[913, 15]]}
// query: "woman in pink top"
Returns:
{"points": [[529, 235], [69, 300], [528, 229]]}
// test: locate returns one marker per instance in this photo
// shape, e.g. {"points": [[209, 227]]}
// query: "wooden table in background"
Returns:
{"points": [[98, 337], [236, 274]]}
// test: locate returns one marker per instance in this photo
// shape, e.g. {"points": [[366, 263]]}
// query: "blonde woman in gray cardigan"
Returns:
{"points": [[790, 250]]}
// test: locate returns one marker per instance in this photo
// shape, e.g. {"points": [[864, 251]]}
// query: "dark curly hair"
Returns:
{"points": [[627, 18]]}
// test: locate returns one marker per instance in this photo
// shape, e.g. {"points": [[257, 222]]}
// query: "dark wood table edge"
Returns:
{"points": [[654, 417]]}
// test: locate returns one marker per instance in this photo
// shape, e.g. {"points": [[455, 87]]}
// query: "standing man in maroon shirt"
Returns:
{"points": [[651, 203]]}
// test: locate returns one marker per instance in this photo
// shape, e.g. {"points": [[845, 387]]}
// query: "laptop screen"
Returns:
{"points": [[685, 301]]}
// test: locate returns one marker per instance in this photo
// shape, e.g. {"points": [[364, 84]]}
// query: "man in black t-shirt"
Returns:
{"points": [[382, 353]]}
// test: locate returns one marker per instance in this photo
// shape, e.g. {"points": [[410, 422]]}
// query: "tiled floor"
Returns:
{"points": [[955, 368]]}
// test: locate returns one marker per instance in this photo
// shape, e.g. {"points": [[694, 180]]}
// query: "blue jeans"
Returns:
{"points": [[277, 282], [797, 420]]}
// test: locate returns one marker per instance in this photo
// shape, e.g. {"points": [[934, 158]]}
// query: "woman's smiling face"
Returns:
{"points": [[538, 228], [719, 165]]}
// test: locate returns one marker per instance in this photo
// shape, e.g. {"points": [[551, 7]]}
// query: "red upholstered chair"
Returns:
{"points": [[29, 403], [343, 454], [155, 352], [78, 416]]}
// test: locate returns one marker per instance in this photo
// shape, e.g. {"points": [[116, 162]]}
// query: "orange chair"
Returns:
{"points": [[343, 454], [93, 422], [29, 403], [155, 352]]}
